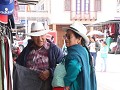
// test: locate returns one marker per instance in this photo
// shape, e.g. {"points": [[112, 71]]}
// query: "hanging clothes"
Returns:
{"points": [[11, 23], [10, 65], [6, 61], [1, 79], [3, 62], [119, 28], [112, 29]]}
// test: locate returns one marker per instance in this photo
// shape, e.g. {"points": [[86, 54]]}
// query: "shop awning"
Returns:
{"points": [[100, 23], [23, 2], [111, 21], [108, 21]]}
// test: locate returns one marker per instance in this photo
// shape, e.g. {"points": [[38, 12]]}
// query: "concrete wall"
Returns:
{"points": [[109, 11]]}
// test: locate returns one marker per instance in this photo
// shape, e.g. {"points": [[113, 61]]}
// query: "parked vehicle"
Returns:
{"points": [[21, 43], [113, 48]]}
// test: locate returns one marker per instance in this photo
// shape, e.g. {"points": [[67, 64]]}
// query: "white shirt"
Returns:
{"points": [[92, 47]]}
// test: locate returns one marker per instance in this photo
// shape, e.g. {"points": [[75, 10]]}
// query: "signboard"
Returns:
{"points": [[52, 35], [23, 21]]}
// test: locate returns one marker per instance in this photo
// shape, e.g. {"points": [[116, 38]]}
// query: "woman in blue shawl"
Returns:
{"points": [[77, 64]]}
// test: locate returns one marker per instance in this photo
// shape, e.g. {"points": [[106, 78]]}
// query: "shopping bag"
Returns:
{"points": [[59, 74]]}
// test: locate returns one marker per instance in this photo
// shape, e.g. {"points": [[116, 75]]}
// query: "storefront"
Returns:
{"points": [[111, 28]]}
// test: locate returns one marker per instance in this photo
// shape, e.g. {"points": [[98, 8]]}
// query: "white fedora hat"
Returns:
{"points": [[37, 29], [80, 29]]}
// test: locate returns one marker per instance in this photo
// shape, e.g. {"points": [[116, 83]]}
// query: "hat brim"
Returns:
{"points": [[39, 33], [83, 35], [9, 7], [3, 18]]}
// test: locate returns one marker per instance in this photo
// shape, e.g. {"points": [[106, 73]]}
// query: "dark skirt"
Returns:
{"points": [[26, 79]]}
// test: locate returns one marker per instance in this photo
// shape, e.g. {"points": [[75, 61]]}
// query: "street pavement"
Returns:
{"points": [[109, 80]]}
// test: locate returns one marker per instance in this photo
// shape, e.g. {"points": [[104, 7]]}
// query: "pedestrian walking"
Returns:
{"points": [[94, 47], [118, 45], [109, 40], [104, 55], [35, 65]]}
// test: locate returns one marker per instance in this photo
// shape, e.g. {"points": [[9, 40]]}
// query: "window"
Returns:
{"points": [[118, 2], [82, 6], [21, 7], [118, 6], [87, 2], [42, 7], [97, 5], [33, 8], [78, 6], [67, 5]]}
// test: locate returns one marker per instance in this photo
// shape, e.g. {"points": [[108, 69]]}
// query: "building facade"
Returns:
{"points": [[61, 13]]}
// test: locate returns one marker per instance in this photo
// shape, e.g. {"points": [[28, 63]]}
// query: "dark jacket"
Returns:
{"points": [[97, 46], [26, 79], [55, 55]]}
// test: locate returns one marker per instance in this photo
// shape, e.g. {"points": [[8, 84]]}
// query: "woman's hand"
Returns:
{"points": [[44, 74], [67, 88]]}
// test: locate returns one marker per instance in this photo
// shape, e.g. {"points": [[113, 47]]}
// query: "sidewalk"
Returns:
{"points": [[113, 63], [109, 80]]}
